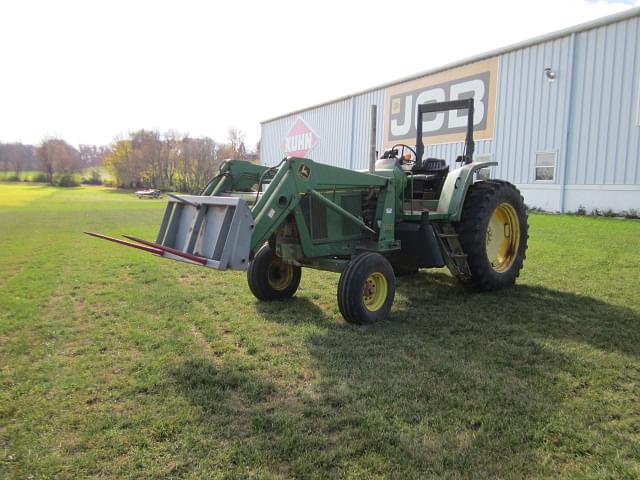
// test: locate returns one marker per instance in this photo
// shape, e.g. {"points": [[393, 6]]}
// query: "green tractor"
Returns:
{"points": [[409, 213]]}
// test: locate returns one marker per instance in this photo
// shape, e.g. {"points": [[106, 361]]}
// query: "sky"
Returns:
{"points": [[90, 71]]}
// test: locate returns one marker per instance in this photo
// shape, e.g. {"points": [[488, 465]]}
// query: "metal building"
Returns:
{"points": [[560, 113]]}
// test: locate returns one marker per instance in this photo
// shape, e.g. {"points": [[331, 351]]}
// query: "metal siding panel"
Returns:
{"points": [[617, 173], [520, 113], [536, 113], [556, 99], [592, 133], [594, 124], [500, 126], [604, 102], [625, 108], [563, 159], [633, 152], [576, 143], [525, 117], [513, 116], [543, 140]]}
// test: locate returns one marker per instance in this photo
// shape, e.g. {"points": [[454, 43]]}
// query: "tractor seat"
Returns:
{"points": [[427, 178], [433, 166]]}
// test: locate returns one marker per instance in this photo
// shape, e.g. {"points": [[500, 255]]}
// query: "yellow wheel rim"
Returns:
{"points": [[503, 237], [279, 275], [374, 292]]}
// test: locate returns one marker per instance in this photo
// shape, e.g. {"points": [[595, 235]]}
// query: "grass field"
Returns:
{"points": [[116, 364]]}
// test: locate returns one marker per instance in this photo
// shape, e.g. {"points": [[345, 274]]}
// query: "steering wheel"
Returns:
{"points": [[402, 159]]}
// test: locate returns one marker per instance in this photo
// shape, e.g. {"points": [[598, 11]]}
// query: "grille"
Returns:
{"points": [[353, 205], [315, 216]]}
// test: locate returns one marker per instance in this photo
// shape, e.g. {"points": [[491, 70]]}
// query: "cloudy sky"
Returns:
{"points": [[90, 70]]}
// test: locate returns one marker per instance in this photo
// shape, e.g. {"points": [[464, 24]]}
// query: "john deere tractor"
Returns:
{"points": [[410, 213]]}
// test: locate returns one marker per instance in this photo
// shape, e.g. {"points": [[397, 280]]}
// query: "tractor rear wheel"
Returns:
{"points": [[270, 278], [366, 289], [493, 232]]}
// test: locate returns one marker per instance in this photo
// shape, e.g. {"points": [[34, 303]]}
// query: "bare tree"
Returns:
{"points": [[16, 162], [57, 156], [4, 160], [198, 163], [17, 157], [46, 156], [236, 140], [92, 155]]}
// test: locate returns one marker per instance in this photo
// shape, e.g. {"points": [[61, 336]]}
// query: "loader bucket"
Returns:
{"points": [[213, 231]]}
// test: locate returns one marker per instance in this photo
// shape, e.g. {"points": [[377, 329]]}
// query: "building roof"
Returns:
{"points": [[599, 22]]}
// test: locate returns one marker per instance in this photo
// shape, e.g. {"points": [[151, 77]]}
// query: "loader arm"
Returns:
{"points": [[236, 175]]}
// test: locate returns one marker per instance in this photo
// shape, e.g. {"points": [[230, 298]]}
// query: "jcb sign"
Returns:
{"points": [[477, 80]]}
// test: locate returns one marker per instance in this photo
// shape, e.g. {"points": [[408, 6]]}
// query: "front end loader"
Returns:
{"points": [[410, 213]]}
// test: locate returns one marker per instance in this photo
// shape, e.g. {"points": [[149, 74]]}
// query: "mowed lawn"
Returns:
{"points": [[117, 364]]}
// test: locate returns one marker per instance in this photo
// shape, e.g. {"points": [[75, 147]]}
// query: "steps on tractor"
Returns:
{"points": [[455, 257]]}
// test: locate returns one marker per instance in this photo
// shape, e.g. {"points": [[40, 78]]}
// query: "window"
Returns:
{"points": [[483, 173], [545, 166]]}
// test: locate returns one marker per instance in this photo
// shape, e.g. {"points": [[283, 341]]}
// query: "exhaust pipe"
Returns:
{"points": [[372, 139]]}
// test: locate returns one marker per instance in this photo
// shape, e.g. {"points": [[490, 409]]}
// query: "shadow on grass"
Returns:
{"points": [[297, 310], [533, 310], [435, 303], [453, 384]]}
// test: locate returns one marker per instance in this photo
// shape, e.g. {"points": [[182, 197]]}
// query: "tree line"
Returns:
{"points": [[142, 159], [51, 157], [172, 161]]}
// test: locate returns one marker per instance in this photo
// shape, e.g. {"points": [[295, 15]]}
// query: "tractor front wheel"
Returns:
{"points": [[270, 278], [493, 232], [366, 289]]}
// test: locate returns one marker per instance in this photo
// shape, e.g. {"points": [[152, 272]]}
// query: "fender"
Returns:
{"points": [[455, 188]]}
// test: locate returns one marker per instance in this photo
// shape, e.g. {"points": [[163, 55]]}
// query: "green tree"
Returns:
{"points": [[119, 161]]}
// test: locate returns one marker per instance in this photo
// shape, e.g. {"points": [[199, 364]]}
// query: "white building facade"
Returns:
{"points": [[559, 113]]}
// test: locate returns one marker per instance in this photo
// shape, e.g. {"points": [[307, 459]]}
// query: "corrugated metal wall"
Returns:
{"points": [[531, 111], [588, 116], [604, 138], [343, 128], [332, 123]]}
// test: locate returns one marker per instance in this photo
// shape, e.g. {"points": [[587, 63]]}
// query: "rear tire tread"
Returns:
{"points": [[480, 202]]}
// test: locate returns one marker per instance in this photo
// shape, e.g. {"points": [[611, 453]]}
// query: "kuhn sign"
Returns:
{"points": [[477, 80], [300, 140]]}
